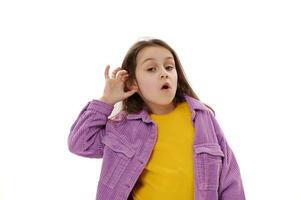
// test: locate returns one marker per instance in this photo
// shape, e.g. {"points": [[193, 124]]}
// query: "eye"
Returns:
{"points": [[171, 67], [150, 69]]}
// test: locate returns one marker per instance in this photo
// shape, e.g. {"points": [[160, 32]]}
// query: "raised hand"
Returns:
{"points": [[114, 86]]}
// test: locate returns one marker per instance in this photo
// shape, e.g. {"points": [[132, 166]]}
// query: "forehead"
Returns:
{"points": [[157, 53]]}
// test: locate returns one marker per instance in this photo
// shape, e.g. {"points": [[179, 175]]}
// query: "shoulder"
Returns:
{"points": [[117, 118], [197, 104]]}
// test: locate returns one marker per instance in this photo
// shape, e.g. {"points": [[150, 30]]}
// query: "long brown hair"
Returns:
{"points": [[134, 103]]}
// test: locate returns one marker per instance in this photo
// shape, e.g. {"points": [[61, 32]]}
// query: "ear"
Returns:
{"points": [[128, 85], [135, 83]]}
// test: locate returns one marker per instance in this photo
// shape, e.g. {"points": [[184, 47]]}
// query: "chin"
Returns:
{"points": [[159, 98], [164, 100]]}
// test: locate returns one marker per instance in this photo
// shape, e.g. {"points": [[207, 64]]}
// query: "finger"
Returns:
{"points": [[115, 72], [107, 72], [125, 77], [121, 73]]}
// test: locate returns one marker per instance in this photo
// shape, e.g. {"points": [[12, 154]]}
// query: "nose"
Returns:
{"points": [[164, 73]]}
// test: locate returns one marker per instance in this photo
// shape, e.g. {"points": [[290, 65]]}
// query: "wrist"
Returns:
{"points": [[106, 100]]}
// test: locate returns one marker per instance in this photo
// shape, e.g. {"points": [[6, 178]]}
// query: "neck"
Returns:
{"points": [[161, 109]]}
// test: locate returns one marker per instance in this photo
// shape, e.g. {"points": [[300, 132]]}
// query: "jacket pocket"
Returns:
{"points": [[116, 158], [208, 162]]}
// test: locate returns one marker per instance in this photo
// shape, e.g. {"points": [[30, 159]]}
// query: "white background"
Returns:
{"points": [[243, 58]]}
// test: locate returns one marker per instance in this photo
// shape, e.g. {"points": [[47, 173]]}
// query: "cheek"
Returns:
{"points": [[176, 76], [147, 84]]}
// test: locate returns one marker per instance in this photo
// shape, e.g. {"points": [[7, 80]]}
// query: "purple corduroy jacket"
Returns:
{"points": [[125, 144]]}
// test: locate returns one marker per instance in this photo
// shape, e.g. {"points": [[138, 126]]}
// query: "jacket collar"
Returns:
{"points": [[193, 104]]}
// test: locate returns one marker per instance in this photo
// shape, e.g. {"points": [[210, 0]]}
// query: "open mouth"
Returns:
{"points": [[166, 86]]}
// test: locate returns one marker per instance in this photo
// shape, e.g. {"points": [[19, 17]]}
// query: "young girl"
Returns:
{"points": [[165, 143]]}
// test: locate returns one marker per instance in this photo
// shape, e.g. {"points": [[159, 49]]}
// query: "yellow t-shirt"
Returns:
{"points": [[169, 172]]}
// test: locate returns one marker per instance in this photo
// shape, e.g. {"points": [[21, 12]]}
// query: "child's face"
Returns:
{"points": [[152, 73]]}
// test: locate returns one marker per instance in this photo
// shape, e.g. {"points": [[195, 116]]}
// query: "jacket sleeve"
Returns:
{"points": [[231, 186], [86, 133]]}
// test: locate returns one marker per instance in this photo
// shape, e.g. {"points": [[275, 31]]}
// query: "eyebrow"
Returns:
{"points": [[155, 59]]}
